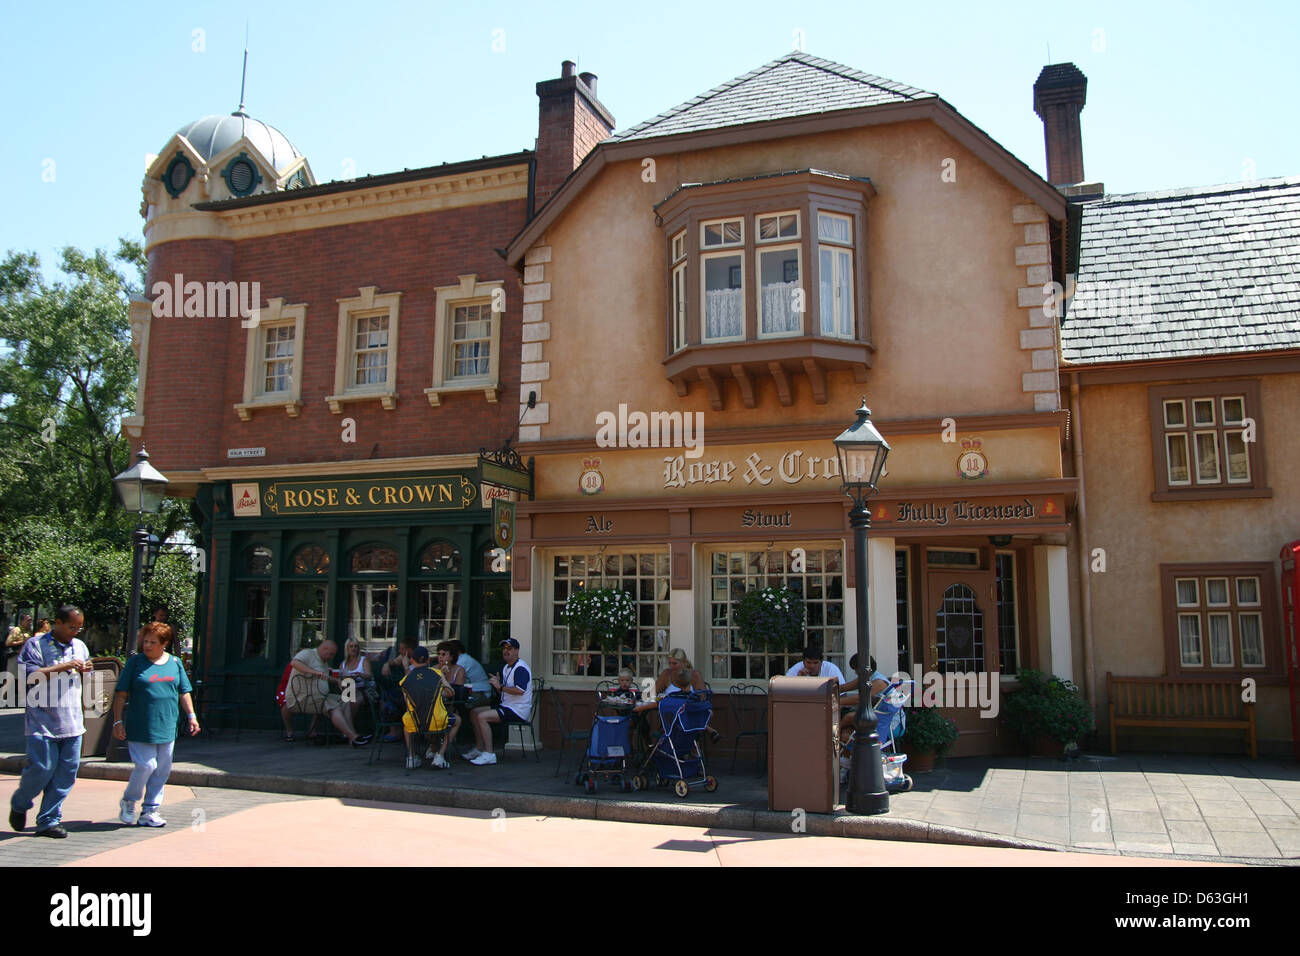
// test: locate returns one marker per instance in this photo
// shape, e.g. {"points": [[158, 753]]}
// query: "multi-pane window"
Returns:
{"points": [[1206, 439], [723, 277], [471, 340], [370, 350], [959, 632], [644, 575], [780, 296], [277, 359], [372, 605], [308, 624], [679, 291], [835, 274], [439, 602], [1220, 621], [257, 620], [903, 605], [821, 583]]}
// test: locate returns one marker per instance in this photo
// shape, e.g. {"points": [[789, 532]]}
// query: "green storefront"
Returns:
{"points": [[375, 557]]}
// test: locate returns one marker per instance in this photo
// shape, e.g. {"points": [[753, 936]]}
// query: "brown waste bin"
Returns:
{"points": [[803, 725], [97, 705]]}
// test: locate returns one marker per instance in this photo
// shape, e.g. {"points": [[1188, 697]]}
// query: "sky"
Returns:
{"points": [[1179, 94]]}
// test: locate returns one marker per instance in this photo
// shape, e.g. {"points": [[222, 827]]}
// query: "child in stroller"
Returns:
{"points": [[610, 747], [676, 757], [891, 724]]}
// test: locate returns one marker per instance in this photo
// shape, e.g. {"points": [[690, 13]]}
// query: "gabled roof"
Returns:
{"points": [[793, 96], [793, 85], [1187, 272]]}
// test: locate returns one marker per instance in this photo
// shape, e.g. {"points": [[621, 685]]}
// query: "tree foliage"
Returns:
{"points": [[67, 377]]}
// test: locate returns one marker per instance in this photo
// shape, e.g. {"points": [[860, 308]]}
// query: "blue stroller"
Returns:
{"points": [[607, 754], [891, 724], [675, 757]]}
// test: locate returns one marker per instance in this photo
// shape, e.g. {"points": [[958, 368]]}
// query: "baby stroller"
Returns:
{"points": [[609, 749], [891, 724], [675, 757]]}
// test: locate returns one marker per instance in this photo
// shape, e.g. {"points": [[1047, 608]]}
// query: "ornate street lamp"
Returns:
{"points": [[141, 488], [863, 450]]}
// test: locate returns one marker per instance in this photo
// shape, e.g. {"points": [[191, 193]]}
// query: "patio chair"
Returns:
{"points": [[749, 711], [539, 686], [381, 726], [224, 696], [309, 701], [566, 735]]}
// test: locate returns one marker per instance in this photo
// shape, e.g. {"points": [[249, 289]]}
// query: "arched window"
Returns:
{"points": [[374, 559], [257, 561], [310, 560], [440, 557]]}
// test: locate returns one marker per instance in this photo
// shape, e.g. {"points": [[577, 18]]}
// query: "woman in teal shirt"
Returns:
{"points": [[149, 688]]}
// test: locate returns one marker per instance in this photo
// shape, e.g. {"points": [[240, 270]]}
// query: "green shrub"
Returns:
{"points": [[928, 731], [1045, 705]]}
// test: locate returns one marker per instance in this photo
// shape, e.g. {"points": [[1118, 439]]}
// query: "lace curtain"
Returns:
{"points": [[779, 314], [724, 313]]}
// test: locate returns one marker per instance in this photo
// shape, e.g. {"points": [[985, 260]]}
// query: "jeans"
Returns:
{"points": [[153, 765], [51, 770]]}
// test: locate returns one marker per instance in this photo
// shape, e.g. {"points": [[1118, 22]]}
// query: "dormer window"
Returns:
{"points": [[765, 279], [241, 175], [178, 175]]}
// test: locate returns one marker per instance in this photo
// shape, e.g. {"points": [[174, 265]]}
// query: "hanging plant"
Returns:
{"points": [[770, 620], [603, 615]]}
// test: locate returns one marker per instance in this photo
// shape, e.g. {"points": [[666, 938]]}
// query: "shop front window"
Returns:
{"points": [[372, 616], [821, 584], [642, 574], [439, 612], [1008, 643], [307, 609], [257, 619]]}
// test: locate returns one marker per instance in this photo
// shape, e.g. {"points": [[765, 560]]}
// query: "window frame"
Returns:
{"points": [[275, 315], [467, 291], [1265, 608], [1162, 397], [369, 303]]}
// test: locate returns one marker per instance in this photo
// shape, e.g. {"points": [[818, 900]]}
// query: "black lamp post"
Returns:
{"points": [[862, 450], [141, 488]]}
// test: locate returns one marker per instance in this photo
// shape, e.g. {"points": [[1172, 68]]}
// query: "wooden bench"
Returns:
{"points": [[1192, 702]]}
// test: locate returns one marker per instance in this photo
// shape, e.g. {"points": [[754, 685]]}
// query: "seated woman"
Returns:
{"points": [[357, 667], [679, 666], [849, 698]]}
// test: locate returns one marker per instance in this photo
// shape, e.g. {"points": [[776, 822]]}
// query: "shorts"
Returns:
{"points": [[408, 724], [508, 716], [314, 704]]}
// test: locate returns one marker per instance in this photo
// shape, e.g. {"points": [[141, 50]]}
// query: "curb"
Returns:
{"points": [[840, 824]]}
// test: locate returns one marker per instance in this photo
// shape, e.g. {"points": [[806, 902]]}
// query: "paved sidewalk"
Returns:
{"points": [[1208, 808]]}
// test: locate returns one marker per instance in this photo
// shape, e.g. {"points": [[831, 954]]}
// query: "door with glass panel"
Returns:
{"points": [[962, 642]]}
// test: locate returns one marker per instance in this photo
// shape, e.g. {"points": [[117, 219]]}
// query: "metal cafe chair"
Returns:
{"points": [[308, 700], [566, 734], [749, 711], [539, 686], [381, 726], [234, 697]]}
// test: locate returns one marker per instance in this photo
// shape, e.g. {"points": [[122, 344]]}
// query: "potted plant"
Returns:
{"points": [[770, 620], [1048, 713], [929, 735], [602, 615]]}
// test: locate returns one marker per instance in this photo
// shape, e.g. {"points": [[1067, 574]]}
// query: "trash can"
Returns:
{"points": [[97, 705], [803, 725]]}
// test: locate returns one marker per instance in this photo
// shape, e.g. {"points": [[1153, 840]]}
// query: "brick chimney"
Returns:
{"points": [[1059, 94], [571, 121]]}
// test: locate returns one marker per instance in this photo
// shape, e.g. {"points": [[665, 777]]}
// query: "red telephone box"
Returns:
{"points": [[1291, 632]]}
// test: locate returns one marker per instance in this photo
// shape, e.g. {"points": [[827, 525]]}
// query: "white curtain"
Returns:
{"points": [[724, 311], [779, 314]]}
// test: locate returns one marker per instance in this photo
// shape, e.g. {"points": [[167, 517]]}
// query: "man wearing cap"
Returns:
{"points": [[515, 685]]}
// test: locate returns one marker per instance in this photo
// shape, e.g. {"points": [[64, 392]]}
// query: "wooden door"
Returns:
{"points": [[961, 638]]}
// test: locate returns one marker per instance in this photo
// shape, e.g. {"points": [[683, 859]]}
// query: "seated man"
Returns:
{"points": [[515, 685], [426, 695], [814, 664], [308, 692], [388, 672]]}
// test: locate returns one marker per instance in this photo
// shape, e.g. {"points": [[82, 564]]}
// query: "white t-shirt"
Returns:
{"points": [[828, 670]]}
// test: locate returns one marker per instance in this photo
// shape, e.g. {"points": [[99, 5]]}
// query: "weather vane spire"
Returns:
{"points": [[243, 79]]}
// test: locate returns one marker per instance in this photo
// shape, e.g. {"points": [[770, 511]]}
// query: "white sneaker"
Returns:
{"points": [[429, 754], [150, 818], [472, 755], [127, 814], [440, 762], [484, 760], [412, 762]]}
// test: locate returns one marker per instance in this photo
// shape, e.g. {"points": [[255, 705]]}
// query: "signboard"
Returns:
{"points": [[503, 523], [245, 498], [493, 473], [434, 492], [959, 513], [246, 452]]}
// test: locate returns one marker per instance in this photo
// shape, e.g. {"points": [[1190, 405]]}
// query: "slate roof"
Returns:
{"points": [[793, 85], [1205, 271]]}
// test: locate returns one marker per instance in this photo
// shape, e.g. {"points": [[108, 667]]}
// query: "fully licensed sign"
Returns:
{"points": [[433, 492], [965, 513]]}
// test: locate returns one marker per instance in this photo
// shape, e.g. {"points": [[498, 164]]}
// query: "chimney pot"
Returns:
{"points": [[1060, 93], [590, 80], [568, 68]]}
